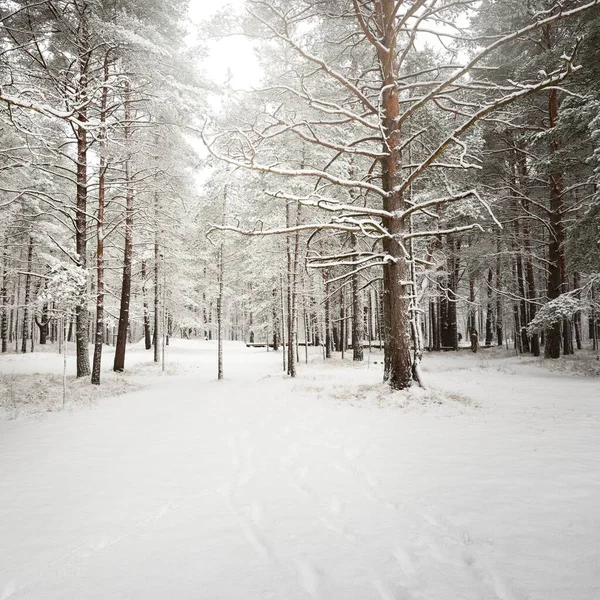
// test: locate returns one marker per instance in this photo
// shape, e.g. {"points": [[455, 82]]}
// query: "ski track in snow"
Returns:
{"points": [[305, 499]]}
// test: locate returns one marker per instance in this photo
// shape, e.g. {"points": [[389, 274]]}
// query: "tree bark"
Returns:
{"points": [[397, 358], [81, 310], [489, 335], [147, 333], [499, 316], [328, 340], [577, 316], [119, 362], [556, 241], [4, 299], [43, 324], [157, 257], [102, 167], [221, 278], [358, 324], [27, 299], [448, 312], [276, 324]]}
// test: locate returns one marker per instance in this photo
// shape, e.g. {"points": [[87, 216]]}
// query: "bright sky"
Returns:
{"points": [[234, 54]]}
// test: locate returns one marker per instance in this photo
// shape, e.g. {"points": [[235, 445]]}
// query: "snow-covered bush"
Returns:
{"points": [[565, 306], [67, 284]]}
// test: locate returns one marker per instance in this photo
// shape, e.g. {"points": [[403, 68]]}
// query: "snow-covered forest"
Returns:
{"points": [[300, 299]]}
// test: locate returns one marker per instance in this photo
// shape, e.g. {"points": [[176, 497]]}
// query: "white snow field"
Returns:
{"points": [[327, 487]]}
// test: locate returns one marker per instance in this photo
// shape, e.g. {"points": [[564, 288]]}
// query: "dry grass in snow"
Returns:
{"points": [[38, 393]]}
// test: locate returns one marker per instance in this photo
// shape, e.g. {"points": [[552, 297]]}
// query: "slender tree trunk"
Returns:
{"points": [[593, 324], [489, 335], [283, 324], [499, 316], [157, 286], [221, 265], [15, 313], [555, 245], [328, 340], [472, 310], [221, 275], [528, 254], [27, 299], [4, 300], [371, 317], [99, 335], [535, 338], [81, 309], [523, 305], [343, 333], [292, 250], [358, 325], [276, 323], [119, 363], [577, 317], [448, 308], [147, 333]]}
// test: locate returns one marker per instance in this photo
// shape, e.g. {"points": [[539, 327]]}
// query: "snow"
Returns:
{"points": [[329, 486]]}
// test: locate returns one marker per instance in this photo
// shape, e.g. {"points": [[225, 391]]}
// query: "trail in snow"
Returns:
{"points": [[261, 487]]}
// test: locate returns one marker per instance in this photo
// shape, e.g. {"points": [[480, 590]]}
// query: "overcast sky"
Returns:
{"points": [[235, 53]]}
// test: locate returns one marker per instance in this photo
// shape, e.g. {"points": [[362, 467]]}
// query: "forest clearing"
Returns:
{"points": [[327, 486]]}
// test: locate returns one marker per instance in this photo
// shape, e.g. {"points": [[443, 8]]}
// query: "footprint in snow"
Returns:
{"points": [[352, 453], [502, 588], [405, 561], [9, 590], [255, 540], [384, 591], [309, 577], [302, 472], [336, 506], [257, 514]]}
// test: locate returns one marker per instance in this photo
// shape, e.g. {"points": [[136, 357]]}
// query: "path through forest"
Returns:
{"points": [[327, 487]]}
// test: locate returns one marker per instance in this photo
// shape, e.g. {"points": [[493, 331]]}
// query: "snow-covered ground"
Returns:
{"points": [[327, 487]]}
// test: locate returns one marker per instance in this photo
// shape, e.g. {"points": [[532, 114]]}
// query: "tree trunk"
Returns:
{"points": [[522, 312], [535, 338], [577, 316], [157, 286], [276, 324], [27, 299], [343, 333], [499, 316], [221, 277], [489, 335], [44, 325], [593, 331], [81, 310], [292, 292], [147, 333], [119, 363], [4, 299], [555, 245], [283, 328], [397, 358], [99, 335], [358, 324], [328, 340], [448, 312], [221, 266]]}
